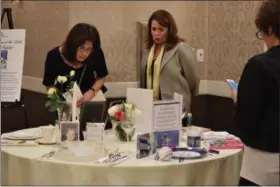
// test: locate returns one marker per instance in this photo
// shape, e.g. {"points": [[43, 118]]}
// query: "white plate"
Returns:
{"points": [[21, 138], [186, 154], [17, 143], [21, 135], [43, 142]]}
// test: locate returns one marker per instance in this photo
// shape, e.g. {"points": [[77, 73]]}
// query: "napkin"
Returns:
{"points": [[215, 135]]}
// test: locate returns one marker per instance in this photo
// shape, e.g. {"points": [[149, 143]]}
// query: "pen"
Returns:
{"points": [[214, 151]]}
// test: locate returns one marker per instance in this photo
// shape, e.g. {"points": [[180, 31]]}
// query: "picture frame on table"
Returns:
{"points": [[69, 131], [168, 138], [91, 112], [146, 145]]}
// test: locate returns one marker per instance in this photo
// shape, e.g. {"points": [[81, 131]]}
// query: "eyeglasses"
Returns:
{"points": [[259, 35], [83, 49]]}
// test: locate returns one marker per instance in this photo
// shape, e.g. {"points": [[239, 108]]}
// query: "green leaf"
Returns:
{"points": [[48, 103], [111, 118], [53, 108]]}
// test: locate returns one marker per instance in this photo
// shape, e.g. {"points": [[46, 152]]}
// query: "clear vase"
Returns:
{"points": [[120, 132], [64, 112]]}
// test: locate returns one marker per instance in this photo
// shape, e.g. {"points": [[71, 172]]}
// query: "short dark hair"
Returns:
{"points": [[268, 16], [165, 19], [77, 36]]}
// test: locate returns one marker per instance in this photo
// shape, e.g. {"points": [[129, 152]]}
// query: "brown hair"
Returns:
{"points": [[268, 16], [77, 36], [166, 20]]}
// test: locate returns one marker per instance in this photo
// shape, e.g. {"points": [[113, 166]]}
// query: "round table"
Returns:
{"points": [[23, 165]]}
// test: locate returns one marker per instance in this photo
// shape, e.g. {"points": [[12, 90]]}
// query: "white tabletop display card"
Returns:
{"points": [[12, 57], [167, 122], [167, 115], [143, 100], [95, 133]]}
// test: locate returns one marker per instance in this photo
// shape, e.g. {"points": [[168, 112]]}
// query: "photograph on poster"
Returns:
{"points": [[4, 58]]}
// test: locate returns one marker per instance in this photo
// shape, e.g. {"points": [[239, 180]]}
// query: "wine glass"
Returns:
{"points": [[128, 129]]}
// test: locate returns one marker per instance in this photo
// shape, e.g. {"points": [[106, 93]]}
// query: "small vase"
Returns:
{"points": [[120, 132], [64, 112]]}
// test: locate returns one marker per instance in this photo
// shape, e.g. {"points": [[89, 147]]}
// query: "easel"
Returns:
{"points": [[8, 11], [17, 103]]}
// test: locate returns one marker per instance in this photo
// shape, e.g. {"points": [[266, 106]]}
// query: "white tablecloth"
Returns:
{"points": [[23, 165]]}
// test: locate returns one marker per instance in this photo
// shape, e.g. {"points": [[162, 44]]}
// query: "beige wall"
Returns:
{"points": [[231, 38], [46, 24], [224, 30]]}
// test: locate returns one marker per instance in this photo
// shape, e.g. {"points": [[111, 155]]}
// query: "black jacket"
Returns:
{"points": [[257, 109]]}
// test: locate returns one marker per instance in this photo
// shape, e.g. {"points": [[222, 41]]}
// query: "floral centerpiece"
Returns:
{"points": [[123, 117], [58, 96]]}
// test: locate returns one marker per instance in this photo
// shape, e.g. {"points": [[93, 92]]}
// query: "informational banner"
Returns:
{"points": [[12, 57]]}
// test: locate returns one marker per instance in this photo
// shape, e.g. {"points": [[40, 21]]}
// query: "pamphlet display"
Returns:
{"points": [[160, 122], [12, 57]]}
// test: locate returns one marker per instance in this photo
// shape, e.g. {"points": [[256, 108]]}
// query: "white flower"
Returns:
{"points": [[61, 79], [72, 73], [128, 110], [136, 114], [128, 107], [51, 91], [113, 110]]}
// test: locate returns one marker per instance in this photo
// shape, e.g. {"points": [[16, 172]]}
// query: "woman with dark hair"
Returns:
{"points": [[257, 102], [169, 64], [81, 52]]}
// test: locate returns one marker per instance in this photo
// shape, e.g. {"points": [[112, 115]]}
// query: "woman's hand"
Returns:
{"points": [[234, 95], [88, 96]]}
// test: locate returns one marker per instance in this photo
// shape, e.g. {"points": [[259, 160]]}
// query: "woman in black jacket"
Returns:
{"points": [[257, 103]]}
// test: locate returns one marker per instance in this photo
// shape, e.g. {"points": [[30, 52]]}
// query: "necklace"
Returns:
{"points": [[68, 63], [73, 66]]}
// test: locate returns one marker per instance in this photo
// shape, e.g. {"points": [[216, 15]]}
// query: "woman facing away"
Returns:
{"points": [[169, 64], [81, 52], [257, 103]]}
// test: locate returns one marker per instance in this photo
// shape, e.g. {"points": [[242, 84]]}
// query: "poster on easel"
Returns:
{"points": [[12, 58]]}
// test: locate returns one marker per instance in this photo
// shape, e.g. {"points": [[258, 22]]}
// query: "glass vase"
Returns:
{"points": [[64, 112], [118, 127]]}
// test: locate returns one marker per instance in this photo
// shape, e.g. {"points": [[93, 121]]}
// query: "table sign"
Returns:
{"points": [[167, 115], [95, 133], [143, 99], [179, 98], [12, 57], [167, 121], [162, 117]]}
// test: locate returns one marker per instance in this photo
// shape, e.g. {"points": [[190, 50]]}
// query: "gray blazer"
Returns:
{"points": [[178, 73]]}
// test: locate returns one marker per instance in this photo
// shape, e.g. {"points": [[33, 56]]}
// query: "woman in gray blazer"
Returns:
{"points": [[169, 64]]}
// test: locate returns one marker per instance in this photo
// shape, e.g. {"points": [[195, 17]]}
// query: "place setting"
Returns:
{"points": [[21, 138]]}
